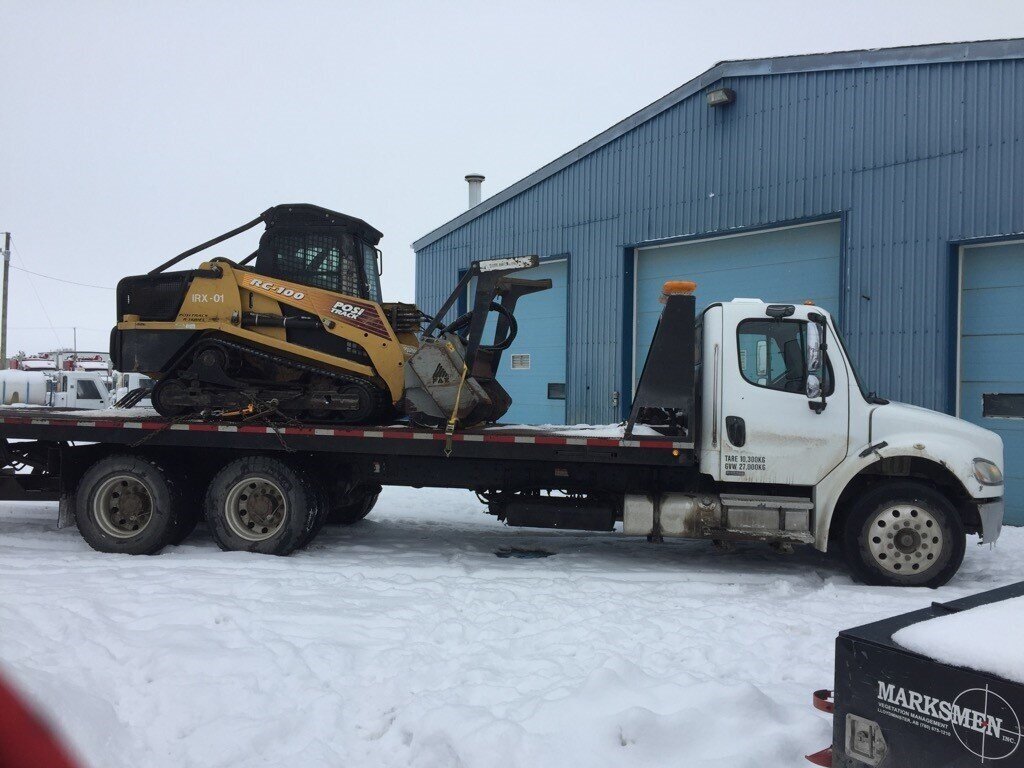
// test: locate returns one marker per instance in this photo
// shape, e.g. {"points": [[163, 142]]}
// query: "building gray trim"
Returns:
{"points": [[938, 53]]}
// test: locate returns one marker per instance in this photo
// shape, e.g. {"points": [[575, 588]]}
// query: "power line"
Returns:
{"points": [[61, 327], [42, 306], [62, 280]]}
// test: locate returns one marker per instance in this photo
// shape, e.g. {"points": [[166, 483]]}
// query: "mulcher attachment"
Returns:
{"points": [[453, 376]]}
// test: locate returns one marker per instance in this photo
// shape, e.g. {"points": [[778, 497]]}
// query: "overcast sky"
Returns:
{"points": [[132, 131]]}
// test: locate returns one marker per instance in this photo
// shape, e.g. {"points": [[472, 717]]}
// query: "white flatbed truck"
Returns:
{"points": [[748, 423]]}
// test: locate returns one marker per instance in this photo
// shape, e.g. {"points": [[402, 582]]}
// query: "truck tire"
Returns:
{"points": [[904, 533], [323, 503], [190, 511], [127, 504], [354, 507], [261, 504], [187, 518]]}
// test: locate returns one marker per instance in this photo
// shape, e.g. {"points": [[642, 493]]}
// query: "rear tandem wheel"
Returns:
{"points": [[131, 505]]}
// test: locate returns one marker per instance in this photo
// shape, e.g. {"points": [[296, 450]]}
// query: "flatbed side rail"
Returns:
{"points": [[393, 440]]}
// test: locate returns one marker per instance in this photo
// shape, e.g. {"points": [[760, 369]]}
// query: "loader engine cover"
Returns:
{"points": [[433, 378]]}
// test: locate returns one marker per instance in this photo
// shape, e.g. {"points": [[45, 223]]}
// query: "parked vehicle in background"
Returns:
{"points": [[129, 382], [19, 387], [80, 389], [40, 362]]}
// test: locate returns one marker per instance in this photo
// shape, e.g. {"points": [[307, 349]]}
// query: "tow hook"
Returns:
{"points": [[822, 700]]}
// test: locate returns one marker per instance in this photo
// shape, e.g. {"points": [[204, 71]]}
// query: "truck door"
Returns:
{"points": [[770, 433], [84, 392]]}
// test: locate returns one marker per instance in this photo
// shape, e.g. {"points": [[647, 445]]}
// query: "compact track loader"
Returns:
{"points": [[298, 328]]}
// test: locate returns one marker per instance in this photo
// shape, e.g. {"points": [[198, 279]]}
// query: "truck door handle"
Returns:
{"points": [[736, 429]]}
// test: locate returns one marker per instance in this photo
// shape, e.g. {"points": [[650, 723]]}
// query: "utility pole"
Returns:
{"points": [[3, 313]]}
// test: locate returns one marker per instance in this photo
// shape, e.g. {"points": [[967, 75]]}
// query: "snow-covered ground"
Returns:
{"points": [[405, 641]]}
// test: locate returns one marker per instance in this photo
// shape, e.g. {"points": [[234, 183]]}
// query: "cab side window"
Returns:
{"points": [[771, 354], [87, 390]]}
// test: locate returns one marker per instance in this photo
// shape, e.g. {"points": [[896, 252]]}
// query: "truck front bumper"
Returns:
{"points": [[991, 514]]}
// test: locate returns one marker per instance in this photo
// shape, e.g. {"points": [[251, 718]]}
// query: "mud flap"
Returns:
{"points": [[65, 510]]}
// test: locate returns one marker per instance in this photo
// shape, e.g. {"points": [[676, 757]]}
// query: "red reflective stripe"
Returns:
{"points": [[654, 444], [549, 440]]}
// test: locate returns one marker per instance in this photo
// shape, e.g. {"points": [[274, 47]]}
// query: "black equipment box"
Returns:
{"points": [[898, 709]]}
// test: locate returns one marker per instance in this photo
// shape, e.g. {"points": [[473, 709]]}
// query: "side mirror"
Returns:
{"points": [[380, 262], [813, 387], [816, 350], [813, 348]]}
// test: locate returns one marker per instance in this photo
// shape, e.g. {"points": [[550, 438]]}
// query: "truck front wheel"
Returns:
{"points": [[127, 504], [904, 534]]}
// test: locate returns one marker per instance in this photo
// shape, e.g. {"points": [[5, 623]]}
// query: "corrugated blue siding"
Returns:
{"points": [[913, 157]]}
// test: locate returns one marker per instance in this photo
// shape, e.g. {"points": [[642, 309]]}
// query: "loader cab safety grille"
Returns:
{"points": [[330, 260]]}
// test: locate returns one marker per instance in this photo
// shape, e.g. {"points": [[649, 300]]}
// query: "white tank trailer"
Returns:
{"points": [[23, 387]]}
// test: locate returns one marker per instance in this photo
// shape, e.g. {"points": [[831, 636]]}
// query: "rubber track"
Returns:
{"points": [[344, 378]]}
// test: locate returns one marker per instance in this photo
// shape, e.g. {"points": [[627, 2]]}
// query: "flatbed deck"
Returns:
{"points": [[508, 442]]}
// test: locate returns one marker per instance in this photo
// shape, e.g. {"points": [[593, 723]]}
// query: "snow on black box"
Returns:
{"points": [[943, 686]]}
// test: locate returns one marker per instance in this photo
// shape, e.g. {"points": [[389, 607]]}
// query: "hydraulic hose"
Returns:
{"points": [[462, 322]]}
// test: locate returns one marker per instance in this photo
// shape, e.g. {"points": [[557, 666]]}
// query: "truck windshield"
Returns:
{"points": [[871, 397]]}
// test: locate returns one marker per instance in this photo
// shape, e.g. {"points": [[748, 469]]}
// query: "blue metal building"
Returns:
{"points": [[886, 185]]}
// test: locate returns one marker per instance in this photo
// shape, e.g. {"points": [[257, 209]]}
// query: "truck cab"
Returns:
{"points": [[783, 414], [124, 383], [80, 389]]}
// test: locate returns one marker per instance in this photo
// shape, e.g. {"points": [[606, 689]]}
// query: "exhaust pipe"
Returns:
{"points": [[475, 181]]}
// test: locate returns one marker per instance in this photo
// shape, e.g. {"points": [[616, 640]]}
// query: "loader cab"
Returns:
{"points": [[314, 246]]}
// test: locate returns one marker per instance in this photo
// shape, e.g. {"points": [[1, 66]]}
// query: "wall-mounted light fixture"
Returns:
{"points": [[721, 96]]}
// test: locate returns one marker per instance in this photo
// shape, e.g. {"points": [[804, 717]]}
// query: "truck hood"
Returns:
{"points": [[911, 430]]}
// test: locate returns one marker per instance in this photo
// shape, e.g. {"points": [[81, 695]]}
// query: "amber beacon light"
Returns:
{"points": [[674, 287]]}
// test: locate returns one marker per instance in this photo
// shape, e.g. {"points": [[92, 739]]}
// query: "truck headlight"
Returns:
{"points": [[987, 472]]}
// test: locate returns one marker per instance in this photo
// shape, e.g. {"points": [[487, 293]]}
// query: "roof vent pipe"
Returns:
{"points": [[475, 181]]}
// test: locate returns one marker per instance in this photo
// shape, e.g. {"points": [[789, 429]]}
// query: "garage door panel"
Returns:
{"points": [[999, 267], [992, 358], [992, 353], [991, 310], [785, 265], [794, 282]]}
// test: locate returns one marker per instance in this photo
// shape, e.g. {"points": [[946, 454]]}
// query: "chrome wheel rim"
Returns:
{"points": [[905, 539], [122, 506], [256, 509]]}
